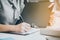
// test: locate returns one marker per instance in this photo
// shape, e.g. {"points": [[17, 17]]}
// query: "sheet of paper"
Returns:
{"points": [[33, 30]]}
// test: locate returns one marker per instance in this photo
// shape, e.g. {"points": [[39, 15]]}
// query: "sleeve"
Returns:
{"points": [[22, 5], [2, 18]]}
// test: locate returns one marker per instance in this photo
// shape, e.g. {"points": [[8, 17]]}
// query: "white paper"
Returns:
{"points": [[33, 30]]}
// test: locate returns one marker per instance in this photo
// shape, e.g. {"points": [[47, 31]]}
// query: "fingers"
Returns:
{"points": [[25, 27]]}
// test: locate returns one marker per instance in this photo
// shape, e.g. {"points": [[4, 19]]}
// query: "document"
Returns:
{"points": [[33, 30]]}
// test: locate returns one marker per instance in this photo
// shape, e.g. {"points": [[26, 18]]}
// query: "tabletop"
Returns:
{"points": [[33, 36]]}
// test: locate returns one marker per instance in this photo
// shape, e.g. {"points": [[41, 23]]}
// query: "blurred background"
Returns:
{"points": [[36, 12]]}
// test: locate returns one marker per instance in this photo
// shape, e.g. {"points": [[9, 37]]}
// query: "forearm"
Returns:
{"points": [[5, 28]]}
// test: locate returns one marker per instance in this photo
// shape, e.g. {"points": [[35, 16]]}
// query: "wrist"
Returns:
{"points": [[12, 28]]}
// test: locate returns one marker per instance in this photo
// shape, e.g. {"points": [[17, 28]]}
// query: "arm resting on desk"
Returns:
{"points": [[22, 27], [5, 28]]}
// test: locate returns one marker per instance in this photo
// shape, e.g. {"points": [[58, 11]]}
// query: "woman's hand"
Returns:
{"points": [[22, 27]]}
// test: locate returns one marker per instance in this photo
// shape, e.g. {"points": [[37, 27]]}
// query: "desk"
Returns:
{"points": [[34, 36], [50, 34]]}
